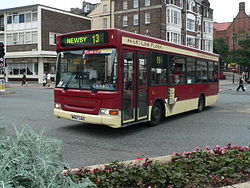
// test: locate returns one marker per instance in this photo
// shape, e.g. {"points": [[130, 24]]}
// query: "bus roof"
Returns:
{"points": [[141, 41]]}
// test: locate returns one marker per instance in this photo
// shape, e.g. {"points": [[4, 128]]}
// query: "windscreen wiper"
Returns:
{"points": [[65, 87]]}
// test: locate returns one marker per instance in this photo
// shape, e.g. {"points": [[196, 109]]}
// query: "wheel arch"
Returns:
{"points": [[204, 98], [161, 101]]}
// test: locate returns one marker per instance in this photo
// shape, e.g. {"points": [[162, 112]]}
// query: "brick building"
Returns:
{"points": [[186, 22], [103, 15], [236, 30], [29, 33]]}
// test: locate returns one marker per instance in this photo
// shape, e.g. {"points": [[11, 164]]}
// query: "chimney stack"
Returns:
{"points": [[242, 6]]}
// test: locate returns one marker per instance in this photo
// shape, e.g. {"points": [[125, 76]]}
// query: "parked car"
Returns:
{"points": [[222, 76]]}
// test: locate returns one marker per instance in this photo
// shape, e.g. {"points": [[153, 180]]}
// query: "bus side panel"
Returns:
{"points": [[182, 98]]}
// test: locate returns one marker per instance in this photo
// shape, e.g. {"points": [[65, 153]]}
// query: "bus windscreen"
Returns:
{"points": [[87, 69]]}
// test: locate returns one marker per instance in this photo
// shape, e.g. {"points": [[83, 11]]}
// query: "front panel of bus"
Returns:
{"points": [[87, 82]]}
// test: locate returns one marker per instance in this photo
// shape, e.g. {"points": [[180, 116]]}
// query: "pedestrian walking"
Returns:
{"points": [[44, 79], [24, 80], [241, 84], [48, 79]]}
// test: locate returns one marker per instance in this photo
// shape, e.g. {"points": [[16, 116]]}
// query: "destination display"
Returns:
{"points": [[84, 39]]}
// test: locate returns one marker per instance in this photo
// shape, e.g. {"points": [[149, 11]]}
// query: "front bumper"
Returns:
{"points": [[111, 121]]}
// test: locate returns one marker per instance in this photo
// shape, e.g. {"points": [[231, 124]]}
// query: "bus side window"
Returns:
{"points": [[158, 69], [202, 71], [191, 68], [177, 70]]}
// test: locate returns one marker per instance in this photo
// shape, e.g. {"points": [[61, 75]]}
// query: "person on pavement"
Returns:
{"points": [[24, 80], [241, 84]]}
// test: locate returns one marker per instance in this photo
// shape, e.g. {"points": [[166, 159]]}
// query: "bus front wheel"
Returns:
{"points": [[156, 114], [201, 104]]}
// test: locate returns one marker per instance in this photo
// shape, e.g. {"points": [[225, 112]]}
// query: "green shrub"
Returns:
{"points": [[200, 168], [31, 160]]}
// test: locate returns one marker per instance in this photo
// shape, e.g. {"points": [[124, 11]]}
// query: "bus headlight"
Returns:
{"points": [[109, 112], [57, 106]]}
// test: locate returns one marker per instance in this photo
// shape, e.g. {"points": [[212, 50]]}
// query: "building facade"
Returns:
{"points": [[29, 33], [86, 8], [185, 22], [236, 30], [103, 15]]}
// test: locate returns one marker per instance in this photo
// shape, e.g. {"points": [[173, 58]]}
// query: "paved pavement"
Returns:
{"points": [[15, 84], [228, 85]]}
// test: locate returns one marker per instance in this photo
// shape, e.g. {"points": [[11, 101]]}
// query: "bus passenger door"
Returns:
{"points": [[135, 91], [142, 86], [128, 98]]}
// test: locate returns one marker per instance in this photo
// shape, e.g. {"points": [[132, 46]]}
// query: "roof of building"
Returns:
{"points": [[36, 5], [221, 26]]}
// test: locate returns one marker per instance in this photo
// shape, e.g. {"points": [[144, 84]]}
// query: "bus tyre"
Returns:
{"points": [[156, 114], [201, 104]]}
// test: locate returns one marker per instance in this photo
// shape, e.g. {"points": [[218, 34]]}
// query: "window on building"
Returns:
{"points": [[147, 3], [21, 38], [52, 38], [172, 2], [174, 17], [158, 69], [125, 21], [177, 70], [105, 23], [209, 45], [190, 5], [28, 17], [20, 68], [34, 37], [135, 3], [175, 38], [9, 19], [15, 18], [181, 3], [2, 37], [207, 27], [105, 8], [21, 18], [34, 16], [15, 38], [191, 42], [190, 24], [147, 18], [2, 23], [28, 38], [125, 5], [235, 39], [136, 19], [9, 38]]}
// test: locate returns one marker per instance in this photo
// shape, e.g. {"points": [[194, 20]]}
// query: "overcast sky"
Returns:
{"points": [[224, 10]]}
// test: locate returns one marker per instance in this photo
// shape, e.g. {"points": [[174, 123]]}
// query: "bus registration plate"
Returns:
{"points": [[79, 118]]}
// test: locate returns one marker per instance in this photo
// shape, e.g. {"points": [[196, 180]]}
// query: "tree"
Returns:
{"points": [[242, 55], [221, 48]]}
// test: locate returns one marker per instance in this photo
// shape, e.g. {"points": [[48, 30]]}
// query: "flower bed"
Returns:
{"points": [[215, 167]]}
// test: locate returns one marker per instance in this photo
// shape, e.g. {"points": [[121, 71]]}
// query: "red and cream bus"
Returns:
{"points": [[117, 78]]}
